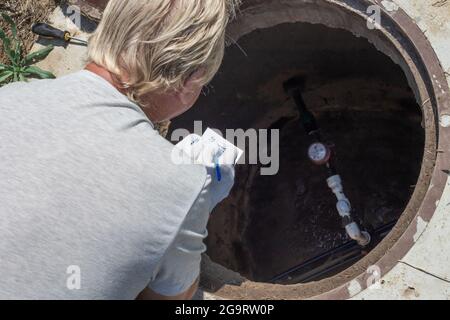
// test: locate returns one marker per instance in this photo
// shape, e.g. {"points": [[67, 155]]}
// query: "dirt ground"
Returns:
{"points": [[25, 13]]}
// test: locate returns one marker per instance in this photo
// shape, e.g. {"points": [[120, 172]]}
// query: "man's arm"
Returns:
{"points": [[176, 277], [149, 294]]}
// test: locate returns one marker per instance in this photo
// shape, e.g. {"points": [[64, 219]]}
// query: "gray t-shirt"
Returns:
{"points": [[91, 206]]}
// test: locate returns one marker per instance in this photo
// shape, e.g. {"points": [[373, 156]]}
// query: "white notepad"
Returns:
{"points": [[209, 149]]}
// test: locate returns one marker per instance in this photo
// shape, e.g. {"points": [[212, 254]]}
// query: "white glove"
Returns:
{"points": [[217, 191], [212, 151]]}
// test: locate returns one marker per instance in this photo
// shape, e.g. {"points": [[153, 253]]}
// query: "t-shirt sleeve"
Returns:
{"points": [[180, 266]]}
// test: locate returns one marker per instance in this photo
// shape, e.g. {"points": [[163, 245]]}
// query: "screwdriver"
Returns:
{"points": [[47, 31]]}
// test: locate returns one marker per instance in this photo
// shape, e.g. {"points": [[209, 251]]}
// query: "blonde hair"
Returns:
{"points": [[159, 44]]}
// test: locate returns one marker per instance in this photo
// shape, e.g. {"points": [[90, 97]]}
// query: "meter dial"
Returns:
{"points": [[319, 153]]}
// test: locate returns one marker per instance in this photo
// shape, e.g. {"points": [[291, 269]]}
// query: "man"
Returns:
{"points": [[91, 205]]}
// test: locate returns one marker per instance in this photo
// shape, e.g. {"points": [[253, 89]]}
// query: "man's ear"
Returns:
{"points": [[191, 88]]}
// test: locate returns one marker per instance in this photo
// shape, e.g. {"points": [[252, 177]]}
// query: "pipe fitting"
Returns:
{"points": [[344, 208], [335, 184], [354, 232]]}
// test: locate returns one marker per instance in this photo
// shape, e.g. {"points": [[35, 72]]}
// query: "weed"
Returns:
{"points": [[20, 67]]}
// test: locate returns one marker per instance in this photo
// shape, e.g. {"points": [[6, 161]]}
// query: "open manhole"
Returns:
{"points": [[377, 94], [365, 108], [281, 236]]}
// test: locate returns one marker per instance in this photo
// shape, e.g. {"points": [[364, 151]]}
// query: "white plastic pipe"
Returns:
{"points": [[344, 208]]}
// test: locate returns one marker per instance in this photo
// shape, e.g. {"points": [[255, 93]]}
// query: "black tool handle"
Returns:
{"points": [[47, 31]]}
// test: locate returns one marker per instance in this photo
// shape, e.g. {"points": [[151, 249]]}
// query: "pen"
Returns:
{"points": [[218, 173]]}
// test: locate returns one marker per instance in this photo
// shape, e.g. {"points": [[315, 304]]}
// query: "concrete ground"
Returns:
{"points": [[424, 273]]}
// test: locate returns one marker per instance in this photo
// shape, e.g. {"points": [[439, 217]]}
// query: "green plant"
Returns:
{"points": [[20, 67]]}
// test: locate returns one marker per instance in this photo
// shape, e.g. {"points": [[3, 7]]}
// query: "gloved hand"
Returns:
{"points": [[217, 191], [200, 150]]}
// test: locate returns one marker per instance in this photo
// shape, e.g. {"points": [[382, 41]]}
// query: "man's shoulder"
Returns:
{"points": [[157, 155]]}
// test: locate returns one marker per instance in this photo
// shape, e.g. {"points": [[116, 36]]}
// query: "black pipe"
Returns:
{"points": [[306, 117], [335, 258]]}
